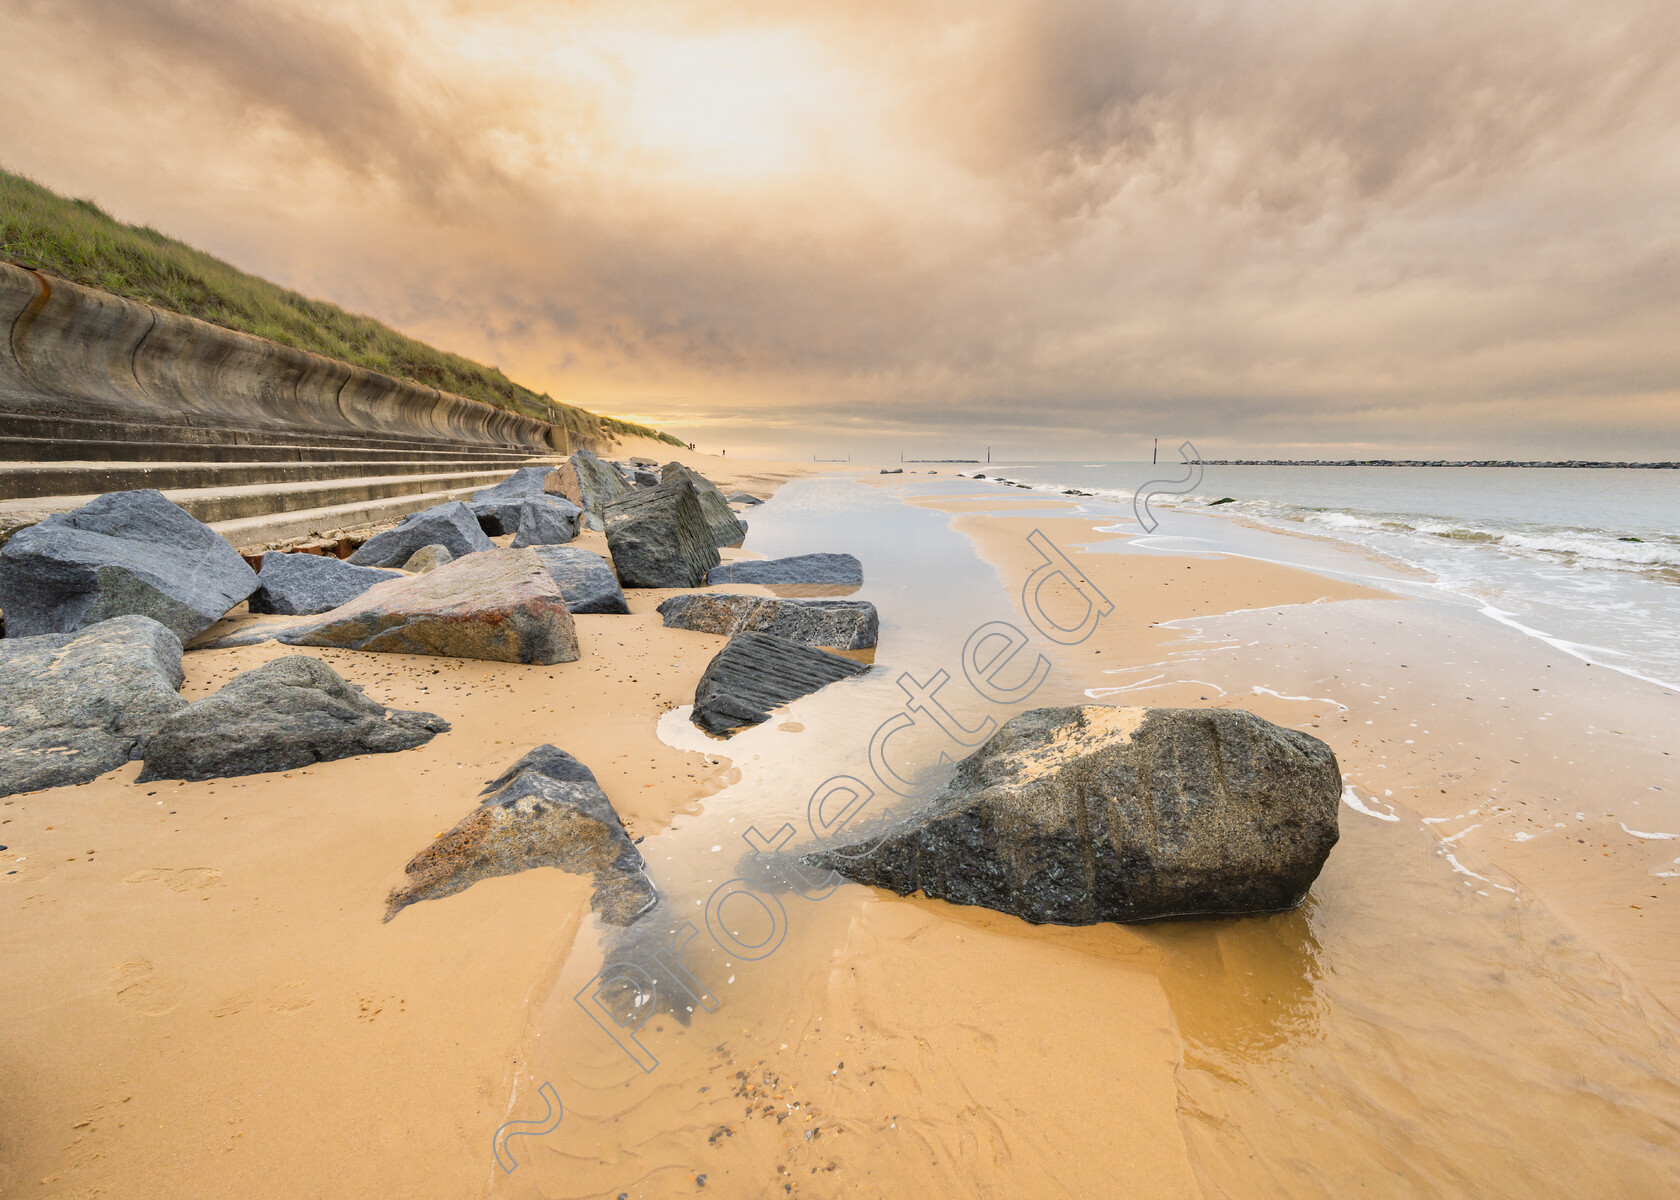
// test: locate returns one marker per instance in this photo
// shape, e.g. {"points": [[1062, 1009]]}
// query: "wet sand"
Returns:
{"points": [[208, 1003]]}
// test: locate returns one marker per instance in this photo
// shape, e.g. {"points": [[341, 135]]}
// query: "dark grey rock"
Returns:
{"points": [[837, 624], [1078, 815], [74, 705], [645, 478], [301, 584], [587, 482], [838, 569], [722, 525], [126, 552], [544, 811], [561, 517], [551, 761], [756, 672], [658, 537], [743, 498], [452, 526], [546, 522], [523, 484], [519, 505], [586, 580], [428, 558], [288, 713]]}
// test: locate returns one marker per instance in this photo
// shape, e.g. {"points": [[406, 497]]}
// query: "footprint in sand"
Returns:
{"points": [[146, 993], [236, 1003], [179, 879], [288, 998]]}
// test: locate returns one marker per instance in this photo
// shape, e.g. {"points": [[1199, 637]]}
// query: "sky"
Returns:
{"points": [[1280, 228]]}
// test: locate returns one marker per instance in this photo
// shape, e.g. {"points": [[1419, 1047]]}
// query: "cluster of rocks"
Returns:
{"points": [[99, 602], [1065, 815], [76, 705]]}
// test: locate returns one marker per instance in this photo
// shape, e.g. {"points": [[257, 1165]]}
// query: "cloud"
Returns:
{"points": [[1258, 223]]}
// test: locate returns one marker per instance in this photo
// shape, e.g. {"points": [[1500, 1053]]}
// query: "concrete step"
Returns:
{"points": [[42, 450], [248, 533], [71, 429], [39, 480], [218, 504]]}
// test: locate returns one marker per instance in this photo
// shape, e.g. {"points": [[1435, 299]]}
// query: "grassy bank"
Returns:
{"points": [[75, 239]]}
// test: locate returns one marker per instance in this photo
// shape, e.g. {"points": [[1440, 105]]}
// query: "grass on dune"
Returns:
{"points": [[75, 239]]}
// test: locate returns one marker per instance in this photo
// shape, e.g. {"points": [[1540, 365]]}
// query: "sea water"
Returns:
{"points": [[1585, 559]]}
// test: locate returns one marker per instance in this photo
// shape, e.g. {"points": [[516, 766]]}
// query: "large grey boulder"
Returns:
{"points": [[288, 713], [452, 526], [835, 569], [1077, 815], [658, 537], [723, 526], [586, 580], [544, 811], [836, 624], [498, 604], [519, 505], [546, 522], [126, 552], [300, 584], [587, 482], [74, 705], [756, 672], [521, 485]]}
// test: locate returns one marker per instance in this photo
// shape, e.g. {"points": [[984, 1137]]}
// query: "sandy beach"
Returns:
{"points": [[202, 998]]}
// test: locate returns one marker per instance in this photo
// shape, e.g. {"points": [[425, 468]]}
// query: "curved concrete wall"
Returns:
{"points": [[76, 351]]}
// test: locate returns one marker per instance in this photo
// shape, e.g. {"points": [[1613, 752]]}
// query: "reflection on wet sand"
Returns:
{"points": [[1402, 1036], [1419, 1027]]}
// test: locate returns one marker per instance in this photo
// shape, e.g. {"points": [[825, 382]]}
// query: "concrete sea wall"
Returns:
{"points": [[74, 351]]}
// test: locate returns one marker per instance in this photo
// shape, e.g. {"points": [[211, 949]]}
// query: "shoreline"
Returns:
{"points": [[227, 972]]}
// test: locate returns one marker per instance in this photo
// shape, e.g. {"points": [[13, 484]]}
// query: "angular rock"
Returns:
{"points": [[288, 713], [510, 506], [125, 552], [587, 482], [561, 517], [546, 522], [523, 484], [586, 580], [500, 605], [1078, 815], [722, 525], [428, 558], [74, 705], [645, 477], [658, 537], [544, 811], [756, 672], [838, 569], [836, 624], [301, 584], [743, 498], [452, 526]]}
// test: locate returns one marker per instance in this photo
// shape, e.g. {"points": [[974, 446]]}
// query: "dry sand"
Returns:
{"points": [[202, 1000]]}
